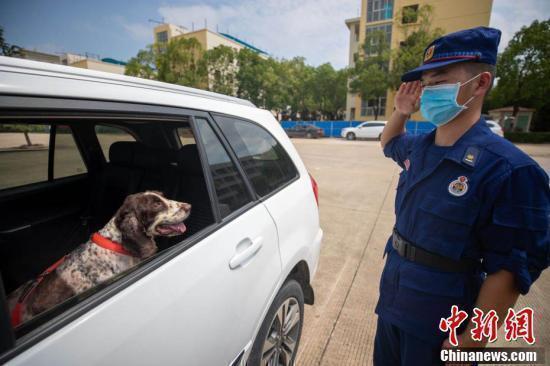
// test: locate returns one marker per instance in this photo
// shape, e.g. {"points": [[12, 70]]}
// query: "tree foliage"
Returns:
{"points": [[282, 86], [523, 71], [417, 35], [7, 49], [181, 61], [370, 75], [143, 65], [221, 66]]}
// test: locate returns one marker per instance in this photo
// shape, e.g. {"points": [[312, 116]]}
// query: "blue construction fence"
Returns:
{"points": [[334, 128]]}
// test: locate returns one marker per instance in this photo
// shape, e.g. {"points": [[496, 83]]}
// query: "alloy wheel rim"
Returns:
{"points": [[281, 340]]}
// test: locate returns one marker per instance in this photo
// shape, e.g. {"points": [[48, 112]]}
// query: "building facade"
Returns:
{"points": [[384, 15], [88, 61], [207, 38]]}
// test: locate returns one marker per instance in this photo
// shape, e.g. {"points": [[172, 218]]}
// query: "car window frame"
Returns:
{"points": [[208, 172], [110, 110]]}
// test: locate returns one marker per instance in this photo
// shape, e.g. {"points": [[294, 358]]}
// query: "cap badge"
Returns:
{"points": [[429, 53], [459, 186]]}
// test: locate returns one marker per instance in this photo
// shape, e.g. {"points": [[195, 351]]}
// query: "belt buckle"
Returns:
{"points": [[399, 246]]}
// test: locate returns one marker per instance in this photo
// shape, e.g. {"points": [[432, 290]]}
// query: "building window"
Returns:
{"points": [[162, 37], [379, 10], [410, 14], [356, 31], [371, 47], [368, 107]]}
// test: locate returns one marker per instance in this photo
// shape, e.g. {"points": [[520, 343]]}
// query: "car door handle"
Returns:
{"points": [[246, 249]]}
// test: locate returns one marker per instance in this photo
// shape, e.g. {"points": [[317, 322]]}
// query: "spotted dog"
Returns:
{"points": [[126, 240]]}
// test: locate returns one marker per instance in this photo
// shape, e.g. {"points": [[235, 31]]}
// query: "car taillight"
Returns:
{"points": [[315, 189]]}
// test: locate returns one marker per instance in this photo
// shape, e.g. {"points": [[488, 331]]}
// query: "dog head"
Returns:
{"points": [[145, 215]]}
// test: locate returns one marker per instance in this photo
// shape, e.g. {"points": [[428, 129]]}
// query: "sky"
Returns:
{"points": [[314, 29]]}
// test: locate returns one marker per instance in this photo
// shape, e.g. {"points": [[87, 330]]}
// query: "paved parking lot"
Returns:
{"points": [[357, 192]]}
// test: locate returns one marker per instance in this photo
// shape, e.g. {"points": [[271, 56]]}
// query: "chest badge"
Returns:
{"points": [[459, 186]]}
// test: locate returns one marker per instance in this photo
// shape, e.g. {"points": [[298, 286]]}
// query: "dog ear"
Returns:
{"points": [[134, 237]]}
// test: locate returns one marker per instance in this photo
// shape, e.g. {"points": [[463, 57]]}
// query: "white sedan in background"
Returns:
{"points": [[495, 127], [369, 129]]}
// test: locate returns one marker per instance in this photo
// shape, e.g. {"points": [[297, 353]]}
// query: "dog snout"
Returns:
{"points": [[185, 206]]}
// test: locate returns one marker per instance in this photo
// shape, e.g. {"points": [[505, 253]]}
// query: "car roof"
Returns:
{"points": [[26, 77]]}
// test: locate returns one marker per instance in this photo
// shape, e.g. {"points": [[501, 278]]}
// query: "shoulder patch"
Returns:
{"points": [[471, 156]]}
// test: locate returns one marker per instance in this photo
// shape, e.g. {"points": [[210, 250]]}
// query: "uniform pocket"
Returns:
{"points": [[445, 226], [425, 296]]}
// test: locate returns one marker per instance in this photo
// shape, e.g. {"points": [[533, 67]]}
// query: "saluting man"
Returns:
{"points": [[471, 209]]}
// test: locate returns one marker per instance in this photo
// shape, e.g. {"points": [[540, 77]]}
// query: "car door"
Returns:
{"points": [[276, 180], [362, 131], [202, 304]]}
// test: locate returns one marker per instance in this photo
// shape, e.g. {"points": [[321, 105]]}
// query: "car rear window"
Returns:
{"points": [[25, 149], [264, 160], [67, 158]]}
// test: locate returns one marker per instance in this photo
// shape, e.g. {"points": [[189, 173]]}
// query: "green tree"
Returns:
{"points": [[299, 82], [370, 74], [415, 25], [329, 88], [249, 79], [221, 64], [143, 65], [340, 93], [7, 49], [523, 71], [182, 62]]}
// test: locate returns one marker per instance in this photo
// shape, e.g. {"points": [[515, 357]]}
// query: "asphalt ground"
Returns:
{"points": [[357, 192]]}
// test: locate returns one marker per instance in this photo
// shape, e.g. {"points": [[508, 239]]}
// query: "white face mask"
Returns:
{"points": [[438, 103]]}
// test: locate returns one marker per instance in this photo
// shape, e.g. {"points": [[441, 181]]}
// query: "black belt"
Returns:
{"points": [[416, 254]]}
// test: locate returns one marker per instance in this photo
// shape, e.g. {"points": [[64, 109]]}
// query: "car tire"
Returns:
{"points": [[350, 136], [309, 135], [273, 341]]}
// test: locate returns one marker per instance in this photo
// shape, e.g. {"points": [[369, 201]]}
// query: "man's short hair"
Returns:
{"points": [[476, 68]]}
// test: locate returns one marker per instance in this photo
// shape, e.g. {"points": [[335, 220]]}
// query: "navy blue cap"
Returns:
{"points": [[477, 44]]}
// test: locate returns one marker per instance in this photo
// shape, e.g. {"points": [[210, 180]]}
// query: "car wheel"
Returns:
{"points": [[379, 137], [279, 336], [309, 135], [350, 136]]}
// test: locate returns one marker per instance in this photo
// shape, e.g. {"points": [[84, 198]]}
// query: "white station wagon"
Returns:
{"points": [[366, 130], [229, 291]]}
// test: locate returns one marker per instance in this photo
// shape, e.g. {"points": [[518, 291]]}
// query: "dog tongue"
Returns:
{"points": [[180, 228], [176, 228]]}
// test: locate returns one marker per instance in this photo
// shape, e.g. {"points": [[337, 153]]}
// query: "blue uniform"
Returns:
{"points": [[483, 198]]}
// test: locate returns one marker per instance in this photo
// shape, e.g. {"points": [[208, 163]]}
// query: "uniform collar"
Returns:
{"points": [[470, 143]]}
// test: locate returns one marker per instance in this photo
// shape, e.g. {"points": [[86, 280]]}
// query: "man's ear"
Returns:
{"points": [[134, 237], [485, 81]]}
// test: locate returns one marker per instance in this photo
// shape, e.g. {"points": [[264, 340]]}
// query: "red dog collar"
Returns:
{"points": [[103, 242]]}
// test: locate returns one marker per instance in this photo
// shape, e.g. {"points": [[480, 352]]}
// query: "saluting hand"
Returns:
{"points": [[407, 99]]}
